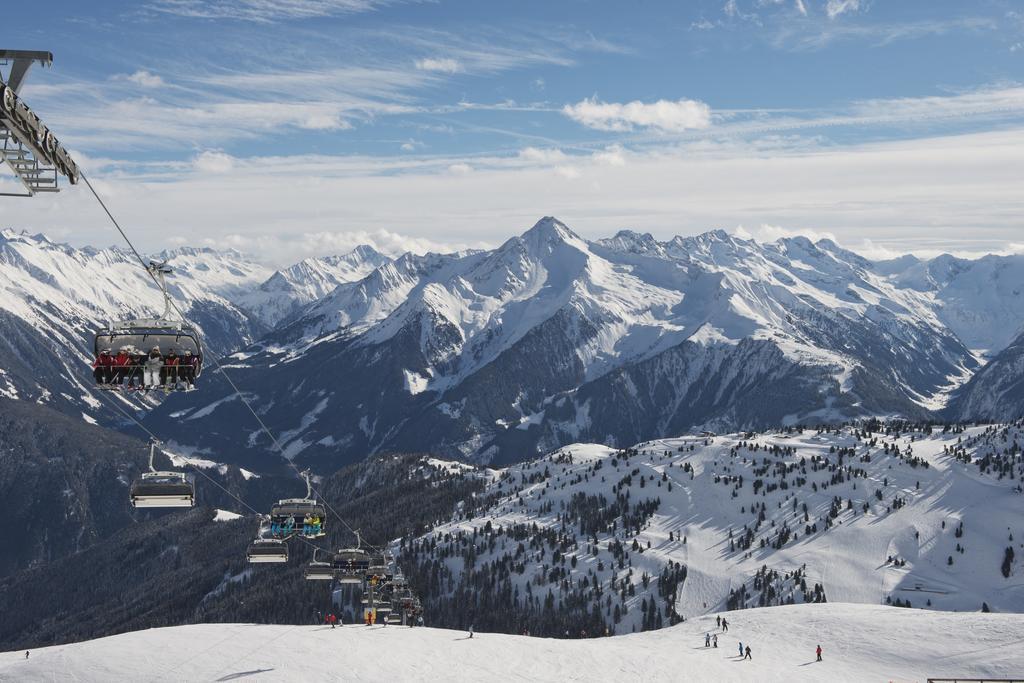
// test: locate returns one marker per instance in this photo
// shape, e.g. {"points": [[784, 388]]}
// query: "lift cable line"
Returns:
{"points": [[213, 357], [37, 158], [154, 439]]}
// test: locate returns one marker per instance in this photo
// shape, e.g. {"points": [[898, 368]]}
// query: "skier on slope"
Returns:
{"points": [[471, 631], [741, 648], [707, 640], [714, 640], [818, 652], [748, 654], [718, 621]]}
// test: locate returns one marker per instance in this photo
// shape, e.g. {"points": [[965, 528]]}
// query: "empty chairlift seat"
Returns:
{"points": [[318, 571], [267, 550], [163, 490]]}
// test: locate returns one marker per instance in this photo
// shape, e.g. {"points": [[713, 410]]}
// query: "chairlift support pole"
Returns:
{"points": [[159, 271]]}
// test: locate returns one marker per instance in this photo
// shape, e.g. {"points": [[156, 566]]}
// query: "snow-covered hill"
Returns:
{"points": [[859, 643], [684, 527], [497, 356]]}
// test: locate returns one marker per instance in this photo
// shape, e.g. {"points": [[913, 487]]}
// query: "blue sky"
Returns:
{"points": [[293, 127]]}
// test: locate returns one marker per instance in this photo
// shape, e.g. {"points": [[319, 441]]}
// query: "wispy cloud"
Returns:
{"points": [[836, 7], [663, 115], [263, 10], [815, 35], [216, 102]]}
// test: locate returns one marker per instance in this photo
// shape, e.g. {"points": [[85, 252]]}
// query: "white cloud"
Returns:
{"points": [[610, 156], [142, 78], [568, 172], [771, 233], [460, 168], [542, 156], [799, 4], [293, 247], [836, 7], [957, 193], [663, 115], [441, 65], [214, 162]]}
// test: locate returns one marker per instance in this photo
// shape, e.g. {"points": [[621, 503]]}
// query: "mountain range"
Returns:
{"points": [[499, 355]]}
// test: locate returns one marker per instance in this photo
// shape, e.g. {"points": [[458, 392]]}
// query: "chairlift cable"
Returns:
{"points": [[215, 360], [199, 471]]}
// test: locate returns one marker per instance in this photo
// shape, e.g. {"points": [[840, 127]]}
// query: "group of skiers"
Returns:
{"points": [[281, 528], [711, 640], [134, 368]]}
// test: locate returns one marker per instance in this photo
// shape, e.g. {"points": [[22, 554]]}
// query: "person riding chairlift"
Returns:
{"points": [[103, 367], [189, 367], [121, 365], [136, 367], [169, 373], [153, 368]]}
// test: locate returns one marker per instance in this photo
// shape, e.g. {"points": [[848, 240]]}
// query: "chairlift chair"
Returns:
{"points": [[288, 516], [267, 550], [141, 335], [155, 489], [318, 570]]}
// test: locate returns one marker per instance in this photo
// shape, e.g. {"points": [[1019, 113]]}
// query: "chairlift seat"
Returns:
{"points": [[267, 550], [318, 571], [162, 490]]}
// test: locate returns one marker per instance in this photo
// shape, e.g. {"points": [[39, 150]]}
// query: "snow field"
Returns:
{"points": [[859, 642]]}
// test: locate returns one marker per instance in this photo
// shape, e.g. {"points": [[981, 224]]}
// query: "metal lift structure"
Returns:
{"points": [[27, 146]]}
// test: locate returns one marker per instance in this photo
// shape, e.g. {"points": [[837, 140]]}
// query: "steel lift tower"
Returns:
{"points": [[27, 146]]}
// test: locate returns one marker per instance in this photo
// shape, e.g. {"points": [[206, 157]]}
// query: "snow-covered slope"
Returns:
{"points": [[996, 392], [287, 291], [684, 527], [53, 296], [859, 643], [981, 301]]}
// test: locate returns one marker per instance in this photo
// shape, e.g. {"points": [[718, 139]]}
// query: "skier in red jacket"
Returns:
{"points": [[103, 367]]}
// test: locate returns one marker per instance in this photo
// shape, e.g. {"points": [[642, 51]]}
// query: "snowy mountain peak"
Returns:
{"points": [[548, 231], [631, 242]]}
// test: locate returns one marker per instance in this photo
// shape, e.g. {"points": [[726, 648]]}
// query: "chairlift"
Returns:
{"points": [[351, 564], [299, 516], [155, 489], [267, 550], [121, 349], [318, 570]]}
